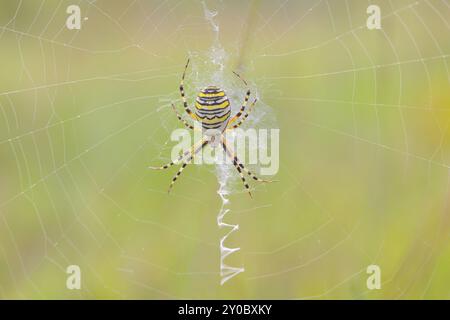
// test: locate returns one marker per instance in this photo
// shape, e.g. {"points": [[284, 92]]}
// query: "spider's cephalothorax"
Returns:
{"points": [[212, 111]]}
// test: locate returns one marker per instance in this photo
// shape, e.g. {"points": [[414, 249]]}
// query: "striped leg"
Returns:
{"points": [[233, 157], [244, 118], [181, 119], [238, 168], [186, 108], [242, 79], [244, 105], [204, 143], [186, 153]]}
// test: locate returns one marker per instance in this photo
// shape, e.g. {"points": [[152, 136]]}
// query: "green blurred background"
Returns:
{"points": [[364, 150]]}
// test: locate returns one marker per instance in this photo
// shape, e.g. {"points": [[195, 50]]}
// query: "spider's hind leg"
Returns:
{"points": [[183, 95], [244, 117], [186, 124], [244, 104]]}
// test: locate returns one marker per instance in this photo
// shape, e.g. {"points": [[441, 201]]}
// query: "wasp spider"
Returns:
{"points": [[212, 112]]}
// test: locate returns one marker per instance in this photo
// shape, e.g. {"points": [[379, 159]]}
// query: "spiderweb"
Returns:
{"points": [[363, 117]]}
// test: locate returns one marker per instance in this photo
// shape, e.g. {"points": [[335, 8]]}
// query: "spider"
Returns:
{"points": [[212, 112]]}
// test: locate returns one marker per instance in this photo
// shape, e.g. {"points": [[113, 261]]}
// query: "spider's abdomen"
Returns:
{"points": [[212, 107]]}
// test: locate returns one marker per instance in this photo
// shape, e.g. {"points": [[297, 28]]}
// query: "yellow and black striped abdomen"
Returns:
{"points": [[212, 108]]}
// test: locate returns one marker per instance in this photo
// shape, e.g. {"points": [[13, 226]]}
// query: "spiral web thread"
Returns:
{"points": [[217, 56]]}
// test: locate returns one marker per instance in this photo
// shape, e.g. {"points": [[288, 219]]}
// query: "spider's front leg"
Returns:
{"points": [[174, 162], [237, 162], [188, 160]]}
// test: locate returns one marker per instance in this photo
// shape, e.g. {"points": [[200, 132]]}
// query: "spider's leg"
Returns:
{"points": [[238, 168], [204, 143], [181, 119], [243, 80], [244, 117], [233, 157], [247, 96], [183, 97], [186, 153]]}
